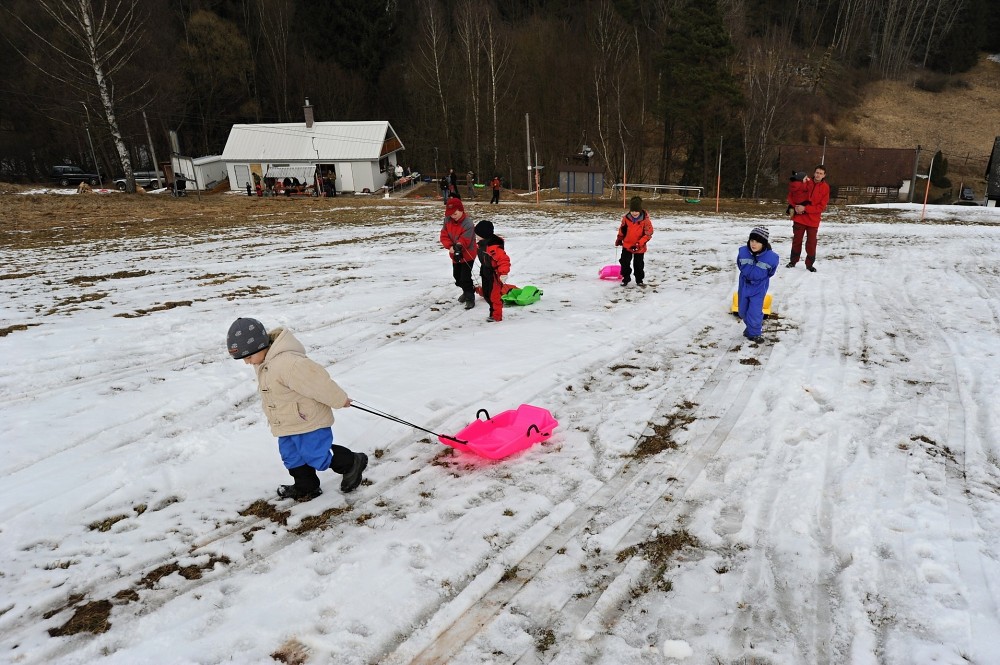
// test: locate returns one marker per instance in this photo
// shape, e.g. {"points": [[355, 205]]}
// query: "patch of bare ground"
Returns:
{"points": [[292, 652], [663, 433], [659, 551], [961, 120], [93, 617]]}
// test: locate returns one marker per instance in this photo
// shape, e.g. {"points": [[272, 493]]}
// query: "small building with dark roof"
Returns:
{"points": [[856, 175]]}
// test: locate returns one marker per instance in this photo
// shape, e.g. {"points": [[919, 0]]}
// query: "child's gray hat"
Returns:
{"points": [[761, 234], [246, 337]]}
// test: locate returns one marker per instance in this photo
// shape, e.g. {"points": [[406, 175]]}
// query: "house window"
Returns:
{"points": [[383, 164]]}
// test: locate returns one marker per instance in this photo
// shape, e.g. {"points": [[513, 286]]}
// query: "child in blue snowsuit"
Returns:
{"points": [[757, 263]]}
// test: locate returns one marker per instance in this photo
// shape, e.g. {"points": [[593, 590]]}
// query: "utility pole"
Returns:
{"points": [[538, 180], [527, 137], [152, 151], [913, 182], [93, 155], [927, 189]]}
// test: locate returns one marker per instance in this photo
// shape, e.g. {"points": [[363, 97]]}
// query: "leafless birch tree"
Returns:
{"points": [[432, 68], [93, 42], [766, 88], [610, 41], [497, 50], [469, 25], [275, 25]]}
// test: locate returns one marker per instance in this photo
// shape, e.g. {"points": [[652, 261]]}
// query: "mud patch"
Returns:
{"points": [[659, 551], [935, 449], [121, 274], [292, 652], [663, 434], [159, 308], [89, 618], [106, 524], [17, 327], [263, 509], [77, 300], [321, 521], [245, 291]]}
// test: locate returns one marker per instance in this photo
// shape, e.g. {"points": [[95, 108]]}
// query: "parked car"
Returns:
{"points": [[146, 179], [967, 194], [66, 175]]}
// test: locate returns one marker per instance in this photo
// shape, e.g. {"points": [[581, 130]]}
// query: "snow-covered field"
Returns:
{"points": [[830, 496]]}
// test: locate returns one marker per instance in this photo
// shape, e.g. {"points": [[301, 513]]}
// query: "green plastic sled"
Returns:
{"points": [[522, 296]]}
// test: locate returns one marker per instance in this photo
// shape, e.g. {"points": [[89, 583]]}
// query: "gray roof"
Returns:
{"points": [[323, 142]]}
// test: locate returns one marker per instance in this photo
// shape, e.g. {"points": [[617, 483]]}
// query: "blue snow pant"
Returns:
{"points": [[751, 311], [305, 454]]}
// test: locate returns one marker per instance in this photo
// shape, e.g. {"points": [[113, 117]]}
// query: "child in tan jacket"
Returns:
{"points": [[298, 397]]}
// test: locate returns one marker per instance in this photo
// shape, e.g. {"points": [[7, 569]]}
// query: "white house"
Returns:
{"points": [[362, 154]]}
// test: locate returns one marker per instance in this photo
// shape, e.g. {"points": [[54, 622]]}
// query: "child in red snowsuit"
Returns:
{"points": [[494, 266], [798, 191]]}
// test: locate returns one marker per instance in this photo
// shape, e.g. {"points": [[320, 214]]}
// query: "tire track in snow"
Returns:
{"points": [[979, 587], [807, 625], [460, 621], [683, 323], [156, 598]]}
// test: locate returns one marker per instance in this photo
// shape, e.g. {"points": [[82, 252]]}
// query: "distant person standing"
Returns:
{"points": [[398, 171], [453, 184], [806, 217], [470, 179], [495, 186]]}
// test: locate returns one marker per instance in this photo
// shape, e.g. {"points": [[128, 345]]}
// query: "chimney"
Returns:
{"points": [[308, 111]]}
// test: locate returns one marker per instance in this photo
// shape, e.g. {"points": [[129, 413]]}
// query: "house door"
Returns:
{"points": [[242, 172], [345, 178]]}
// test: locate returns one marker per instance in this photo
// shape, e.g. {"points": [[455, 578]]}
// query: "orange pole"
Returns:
{"points": [[718, 178]]}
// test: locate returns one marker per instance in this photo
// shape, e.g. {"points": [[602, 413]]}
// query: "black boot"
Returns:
{"points": [[470, 300], [306, 485], [352, 478]]}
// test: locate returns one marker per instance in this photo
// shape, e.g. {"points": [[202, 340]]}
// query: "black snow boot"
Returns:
{"points": [[470, 300], [352, 478], [293, 492], [306, 485]]}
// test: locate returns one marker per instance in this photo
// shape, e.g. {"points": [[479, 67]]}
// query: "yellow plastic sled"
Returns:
{"points": [[736, 304]]}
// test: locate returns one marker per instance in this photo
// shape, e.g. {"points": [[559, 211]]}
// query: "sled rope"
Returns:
{"points": [[367, 408]]}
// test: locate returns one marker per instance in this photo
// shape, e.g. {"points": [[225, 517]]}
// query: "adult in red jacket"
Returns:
{"points": [[634, 232], [806, 218], [458, 236], [494, 266]]}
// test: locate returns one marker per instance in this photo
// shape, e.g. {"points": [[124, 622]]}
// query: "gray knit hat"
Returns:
{"points": [[761, 234], [246, 337]]}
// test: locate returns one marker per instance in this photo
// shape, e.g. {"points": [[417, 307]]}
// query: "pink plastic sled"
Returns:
{"points": [[504, 434], [611, 272]]}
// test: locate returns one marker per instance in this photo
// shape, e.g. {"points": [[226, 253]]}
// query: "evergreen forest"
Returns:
{"points": [[655, 88]]}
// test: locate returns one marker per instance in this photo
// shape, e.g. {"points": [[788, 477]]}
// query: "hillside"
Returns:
{"points": [[962, 120]]}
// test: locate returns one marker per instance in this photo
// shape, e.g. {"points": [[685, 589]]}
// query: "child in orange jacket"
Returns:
{"points": [[494, 266], [634, 232]]}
